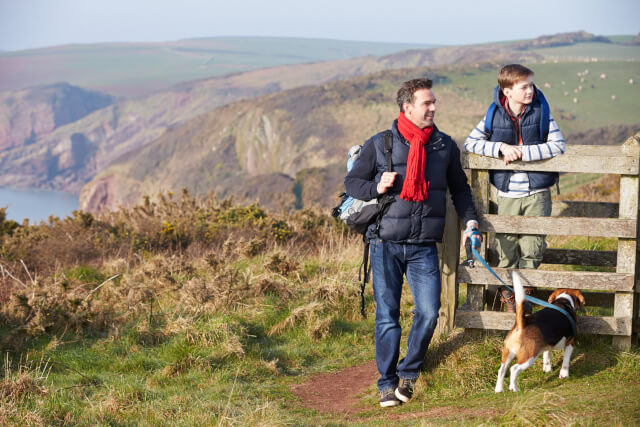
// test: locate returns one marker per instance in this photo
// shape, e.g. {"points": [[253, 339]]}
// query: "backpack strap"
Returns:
{"points": [[385, 200], [544, 116], [388, 147], [488, 119], [365, 268], [364, 273]]}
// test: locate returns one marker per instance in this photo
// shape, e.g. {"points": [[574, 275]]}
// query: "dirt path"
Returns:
{"points": [[338, 392], [343, 392]]}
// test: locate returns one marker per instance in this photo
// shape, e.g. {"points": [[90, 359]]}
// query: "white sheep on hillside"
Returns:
{"points": [[613, 97], [575, 100], [630, 81], [603, 76]]}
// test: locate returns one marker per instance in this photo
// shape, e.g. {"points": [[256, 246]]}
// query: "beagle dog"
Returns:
{"points": [[545, 330]]}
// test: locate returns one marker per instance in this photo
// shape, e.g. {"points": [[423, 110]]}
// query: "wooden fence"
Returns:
{"points": [[617, 290]]}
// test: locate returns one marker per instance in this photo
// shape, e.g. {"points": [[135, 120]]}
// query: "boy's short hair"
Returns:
{"points": [[510, 74], [409, 88]]}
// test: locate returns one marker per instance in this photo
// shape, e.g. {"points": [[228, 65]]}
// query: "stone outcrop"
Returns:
{"points": [[30, 114]]}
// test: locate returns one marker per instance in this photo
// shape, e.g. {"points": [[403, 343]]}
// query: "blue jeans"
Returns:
{"points": [[390, 262]]}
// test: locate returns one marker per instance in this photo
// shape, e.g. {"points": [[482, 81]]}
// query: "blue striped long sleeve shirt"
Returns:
{"points": [[477, 143]]}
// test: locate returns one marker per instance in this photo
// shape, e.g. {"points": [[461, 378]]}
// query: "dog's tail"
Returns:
{"points": [[519, 291]]}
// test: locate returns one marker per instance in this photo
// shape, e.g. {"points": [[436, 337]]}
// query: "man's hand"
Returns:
{"points": [[472, 228], [386, 182], [510, 153]]}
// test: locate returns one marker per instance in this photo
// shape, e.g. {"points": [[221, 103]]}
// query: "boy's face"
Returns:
{"points": [[521, 92]]}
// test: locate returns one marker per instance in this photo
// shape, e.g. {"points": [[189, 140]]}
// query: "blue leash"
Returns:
{"points": [[474, 242]]}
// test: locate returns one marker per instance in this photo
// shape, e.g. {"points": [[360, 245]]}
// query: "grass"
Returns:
{"points": [[571, 181], [217, 310], [589, 51], [120, 381], [561, 83]]}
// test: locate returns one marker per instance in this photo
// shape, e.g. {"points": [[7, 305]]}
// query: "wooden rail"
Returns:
{"points": [[614, 220]]}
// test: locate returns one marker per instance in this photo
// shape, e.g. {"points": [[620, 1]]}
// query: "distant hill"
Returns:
{"points": [[117, 134], [283, 149], [126, 126], [135, 69], [30, 114], [562, 39], [287, 149], [601, 136]]}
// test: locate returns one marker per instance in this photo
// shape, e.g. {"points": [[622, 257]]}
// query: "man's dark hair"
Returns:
{"points": [[407, 91]]}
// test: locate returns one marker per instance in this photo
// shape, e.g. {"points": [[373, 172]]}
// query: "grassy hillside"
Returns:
{"points": [[127, 126], [304, 133], [201, 312], [305, 129], [134, 69], [115, 132], [561, 82]]}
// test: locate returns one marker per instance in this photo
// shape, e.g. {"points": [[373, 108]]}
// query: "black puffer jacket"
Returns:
{"points": [[413, 222]]}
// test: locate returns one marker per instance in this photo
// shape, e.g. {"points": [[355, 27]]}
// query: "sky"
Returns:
{"points": [[26, 24]]}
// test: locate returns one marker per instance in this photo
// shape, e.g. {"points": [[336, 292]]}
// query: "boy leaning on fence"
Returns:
{"points": [[519, 126]]}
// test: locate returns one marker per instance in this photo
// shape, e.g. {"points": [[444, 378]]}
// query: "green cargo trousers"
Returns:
{"points": [[523, 250]]}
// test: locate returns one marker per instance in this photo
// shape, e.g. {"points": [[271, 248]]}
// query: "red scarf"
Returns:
{"points": [[415, 189]]}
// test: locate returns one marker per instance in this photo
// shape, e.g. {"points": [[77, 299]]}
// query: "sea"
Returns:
{"points": [[36, 205]]}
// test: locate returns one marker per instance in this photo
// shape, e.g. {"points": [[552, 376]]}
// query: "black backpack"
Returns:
{"points": [[359, 214]]}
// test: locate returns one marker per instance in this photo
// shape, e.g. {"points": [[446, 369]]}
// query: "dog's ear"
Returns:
{"points": [[577, 296]]}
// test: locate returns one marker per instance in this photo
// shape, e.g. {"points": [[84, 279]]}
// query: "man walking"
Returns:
{"points": [[425, 163]]}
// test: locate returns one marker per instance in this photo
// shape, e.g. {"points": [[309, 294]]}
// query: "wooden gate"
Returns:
{"points": [[618, 289]]}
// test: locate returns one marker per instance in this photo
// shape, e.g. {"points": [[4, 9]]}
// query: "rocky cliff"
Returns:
{"points": [[285, 150], [31, 114], [124, 127]]}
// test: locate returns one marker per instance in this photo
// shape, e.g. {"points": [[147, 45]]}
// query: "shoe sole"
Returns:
{"points": [[390, 403], [402, 397]]}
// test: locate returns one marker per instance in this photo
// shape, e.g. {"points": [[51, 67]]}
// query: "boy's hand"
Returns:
{"points": [[386, 182], [510, 153]]}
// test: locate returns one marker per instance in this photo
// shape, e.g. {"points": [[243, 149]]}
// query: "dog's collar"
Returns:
{"points": [[567, 297]]}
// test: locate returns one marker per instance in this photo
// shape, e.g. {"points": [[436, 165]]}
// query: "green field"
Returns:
{"points": [[560, 81], [601, 51], [129, 69]]}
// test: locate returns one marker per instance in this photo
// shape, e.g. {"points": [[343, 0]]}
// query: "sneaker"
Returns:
{"points": [[405, 389], [388, 398]]}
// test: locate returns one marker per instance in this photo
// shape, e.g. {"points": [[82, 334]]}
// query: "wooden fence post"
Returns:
{"points": [[449, 255], [617, 220], [627, 248]]}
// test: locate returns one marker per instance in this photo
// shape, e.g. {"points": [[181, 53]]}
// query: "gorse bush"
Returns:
{"points": [[88, 274]]}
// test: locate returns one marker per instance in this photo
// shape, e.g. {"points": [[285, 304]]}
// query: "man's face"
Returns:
{"points": [[521, 92], [423, 109]]}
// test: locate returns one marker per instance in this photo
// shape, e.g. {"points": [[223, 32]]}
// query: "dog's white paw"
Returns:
{"points": [[547, 367], [513, 387], [564, 373], [499, 389]]}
